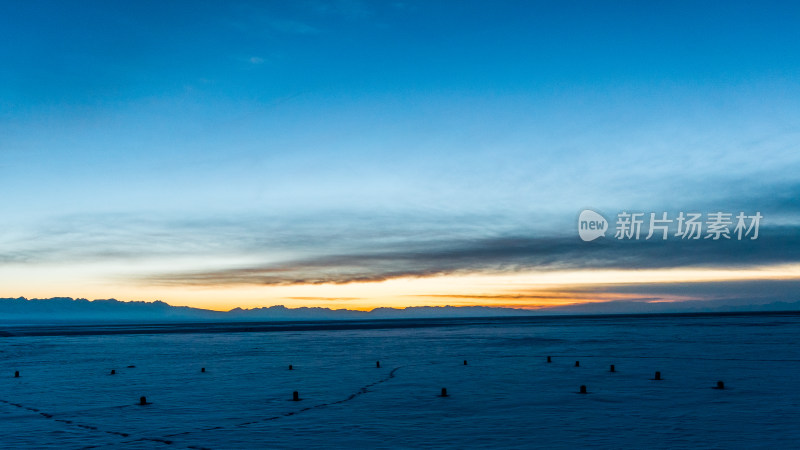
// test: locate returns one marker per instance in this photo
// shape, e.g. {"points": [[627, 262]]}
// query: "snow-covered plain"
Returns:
{"points": [[507, 395]]}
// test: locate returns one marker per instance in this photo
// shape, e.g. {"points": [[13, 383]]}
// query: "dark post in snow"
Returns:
{"points": [[465, 362], [612, 369], [202, 369], [658, 376], [577, 363], [143, 400], [720, 385], [378, 364], [295, 396], [583, 389], [444, 392], [113, 371], [549, 359], [290, 367], [16, 374]]}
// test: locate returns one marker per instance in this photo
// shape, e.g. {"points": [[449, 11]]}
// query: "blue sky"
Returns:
{"points": [[147, 145]]}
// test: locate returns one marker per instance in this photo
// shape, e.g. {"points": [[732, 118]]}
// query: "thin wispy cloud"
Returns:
{"points": [[350, 9], [292, 26]]}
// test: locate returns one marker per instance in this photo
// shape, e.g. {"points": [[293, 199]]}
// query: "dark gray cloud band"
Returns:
{"points": [[776, 245]]}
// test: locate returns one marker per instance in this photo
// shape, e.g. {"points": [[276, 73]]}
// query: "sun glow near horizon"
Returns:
{"points": [[530, 289]]}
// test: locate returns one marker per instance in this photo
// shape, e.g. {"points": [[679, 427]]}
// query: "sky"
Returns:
{"points": [[358, 154]]}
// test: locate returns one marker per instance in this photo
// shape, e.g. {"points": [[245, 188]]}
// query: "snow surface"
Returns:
{"points": [[507, 396]]}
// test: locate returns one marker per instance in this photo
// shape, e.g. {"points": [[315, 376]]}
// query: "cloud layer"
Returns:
{"points": [[776, 245]]}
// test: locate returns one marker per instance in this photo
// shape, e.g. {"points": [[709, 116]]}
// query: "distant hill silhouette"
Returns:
{"points": [[65, 309]]}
